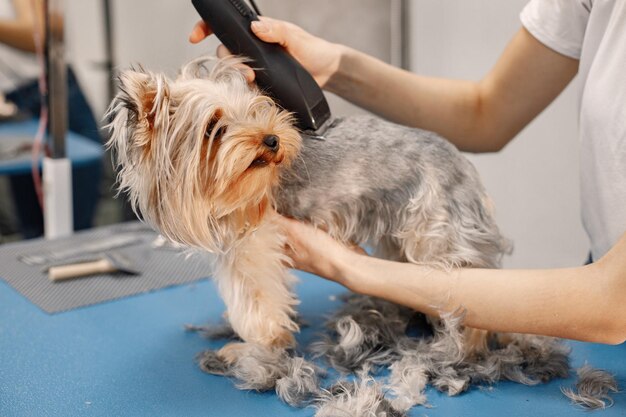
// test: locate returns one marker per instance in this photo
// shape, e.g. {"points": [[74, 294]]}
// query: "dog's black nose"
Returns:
{"points": [[271, 141]]}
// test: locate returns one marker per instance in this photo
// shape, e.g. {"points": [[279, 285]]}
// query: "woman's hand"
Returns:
{"points": [[319, 57], [312, 250]]}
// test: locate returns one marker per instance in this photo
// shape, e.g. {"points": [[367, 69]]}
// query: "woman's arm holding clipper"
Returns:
{"points": [[584, 303], [478, 116]]}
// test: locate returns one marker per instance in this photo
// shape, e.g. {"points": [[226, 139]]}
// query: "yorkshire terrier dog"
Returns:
{"points": [[208, 160]]}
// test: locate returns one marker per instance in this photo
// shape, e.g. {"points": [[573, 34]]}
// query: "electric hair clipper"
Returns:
{"points": [[277, 72]]}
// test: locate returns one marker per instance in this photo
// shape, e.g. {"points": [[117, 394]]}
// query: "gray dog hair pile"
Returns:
{"points": [[367, 336]]}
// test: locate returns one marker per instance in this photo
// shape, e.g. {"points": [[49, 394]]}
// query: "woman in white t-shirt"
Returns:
{"points": [[559, 39]]}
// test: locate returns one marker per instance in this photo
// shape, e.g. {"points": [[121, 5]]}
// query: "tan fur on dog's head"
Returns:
{"points": [[193, 152]]}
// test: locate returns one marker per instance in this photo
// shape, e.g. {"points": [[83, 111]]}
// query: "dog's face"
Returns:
{"points": [[199, 156]]}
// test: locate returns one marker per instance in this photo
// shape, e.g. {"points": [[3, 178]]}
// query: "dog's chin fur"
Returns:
{"points": [[192, 159]]}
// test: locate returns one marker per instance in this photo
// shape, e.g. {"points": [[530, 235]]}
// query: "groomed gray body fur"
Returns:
{"points": [[406, 191]]}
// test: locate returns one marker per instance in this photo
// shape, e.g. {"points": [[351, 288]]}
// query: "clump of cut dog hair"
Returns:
{"points": [[368, 335], [593, 388], [300, 385], [361, 398], [260, 368], [223, 330]]}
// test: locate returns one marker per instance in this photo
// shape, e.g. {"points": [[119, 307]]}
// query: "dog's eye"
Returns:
{"points": [[218, 133], [209, 129]]}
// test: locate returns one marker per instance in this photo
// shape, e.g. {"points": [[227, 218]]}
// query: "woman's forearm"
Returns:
{"points": [[408, 98], [584, 303], [479, 116]]}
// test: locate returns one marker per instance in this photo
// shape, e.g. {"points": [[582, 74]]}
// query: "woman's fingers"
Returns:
{"points": [[200, 31], [313, 250], [271, 31]]}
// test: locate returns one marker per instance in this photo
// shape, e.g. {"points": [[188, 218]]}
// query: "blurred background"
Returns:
{"points": [[533, 181]]}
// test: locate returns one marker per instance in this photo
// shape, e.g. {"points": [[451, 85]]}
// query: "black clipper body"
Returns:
{"points": [[278, 73]]}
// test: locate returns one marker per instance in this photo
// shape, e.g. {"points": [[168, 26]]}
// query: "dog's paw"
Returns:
{"points": [[283, 340], [211, 363], [231, 352], [270, 334], [254, 366]]}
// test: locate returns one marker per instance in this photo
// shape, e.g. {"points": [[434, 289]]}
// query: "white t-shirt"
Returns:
{"points": [[594, 32], [16, 67]]}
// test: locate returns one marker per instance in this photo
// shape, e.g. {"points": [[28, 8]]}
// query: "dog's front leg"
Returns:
{"points": [[256, 287]]}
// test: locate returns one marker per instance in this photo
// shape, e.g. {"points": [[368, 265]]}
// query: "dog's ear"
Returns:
{"points": [[144, 95]]}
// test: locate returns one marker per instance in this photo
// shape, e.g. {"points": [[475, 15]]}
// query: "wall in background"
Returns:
{"points": [[84, 34], [148, 32], [534, 180]]}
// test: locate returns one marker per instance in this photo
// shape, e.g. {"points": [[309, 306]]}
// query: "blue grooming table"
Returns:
{"points": [[132, 357]]}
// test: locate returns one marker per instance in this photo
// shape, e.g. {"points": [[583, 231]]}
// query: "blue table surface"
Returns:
{"points": [[132, 357], [80, 150]]}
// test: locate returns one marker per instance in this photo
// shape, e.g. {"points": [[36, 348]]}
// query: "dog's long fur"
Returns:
{"points": [[192, 157]]}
